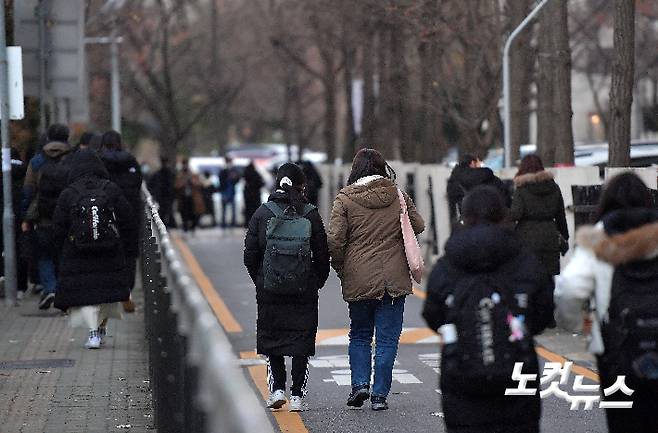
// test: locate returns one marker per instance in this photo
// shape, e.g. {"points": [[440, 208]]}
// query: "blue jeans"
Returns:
{"points": [[366, 317], [47, 274]]}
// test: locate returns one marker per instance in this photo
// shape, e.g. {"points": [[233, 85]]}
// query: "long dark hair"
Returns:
{"points": [[286, 175], [624, 191], [530, 164], [483, 205], [369, 162]]}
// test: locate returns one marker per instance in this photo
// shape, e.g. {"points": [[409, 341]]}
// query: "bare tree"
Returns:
{"points": [[562, 89], [621, 90]]}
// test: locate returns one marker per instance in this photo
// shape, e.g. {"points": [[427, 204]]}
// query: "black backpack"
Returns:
{"points": [[492, 335], [630, 333], [287, 261], [53, 179], [93, 222]]}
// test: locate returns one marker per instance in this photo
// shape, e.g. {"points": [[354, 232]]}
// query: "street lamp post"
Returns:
{"points": [[506, 80]]}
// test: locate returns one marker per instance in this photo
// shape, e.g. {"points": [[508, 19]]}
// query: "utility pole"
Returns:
{"points": [[116, 85], [42, 15], [506, 80], [8, 214]]}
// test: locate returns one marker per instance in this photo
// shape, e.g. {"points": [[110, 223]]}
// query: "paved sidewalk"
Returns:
{"points": [[49, 383]]}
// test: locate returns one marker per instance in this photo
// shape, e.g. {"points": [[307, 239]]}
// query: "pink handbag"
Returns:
{"points": [[411, 247]]}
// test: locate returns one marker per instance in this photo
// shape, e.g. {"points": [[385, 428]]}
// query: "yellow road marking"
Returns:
{"points": [[554, 357], [223, 314], [419, 293], [289, 422]]}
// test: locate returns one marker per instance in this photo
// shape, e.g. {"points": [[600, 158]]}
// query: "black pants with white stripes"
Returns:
{"points": [[276, 374]]}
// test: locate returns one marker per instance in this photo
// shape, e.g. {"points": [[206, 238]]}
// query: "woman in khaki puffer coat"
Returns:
{"points": [[367, 252]]}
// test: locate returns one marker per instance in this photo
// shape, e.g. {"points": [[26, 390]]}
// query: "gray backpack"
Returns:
{"points": [[287, 262]]}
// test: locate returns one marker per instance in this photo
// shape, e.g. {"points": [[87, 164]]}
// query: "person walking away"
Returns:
{"points": [[287, 284], [313, 182], [614, 269], [86, 140], [538, 210], [189, 196], [18, 171], [253, 183], [468, 174], [488, 299], [93, 227], [46, 178], [161, 185], [126, 173], [364, 234], [209, 190], [228, 179]]}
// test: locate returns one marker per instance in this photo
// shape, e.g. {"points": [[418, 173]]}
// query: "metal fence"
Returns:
{"points": [[195, 377]]}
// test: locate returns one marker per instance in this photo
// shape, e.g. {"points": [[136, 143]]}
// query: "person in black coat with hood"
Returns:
{"points": [[126, 173], [253, 183], [487, 250], [90, 283], [468, 174], [538, 209], [287, 324]]}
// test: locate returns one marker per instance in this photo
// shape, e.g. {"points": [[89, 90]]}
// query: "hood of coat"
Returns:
{"points": [[86, 164], [630, 235], [482, 248], [55, 149], [540, 183], [377, 194], [471, 177]]}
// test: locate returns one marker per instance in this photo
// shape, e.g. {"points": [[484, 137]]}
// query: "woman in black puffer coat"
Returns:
{"points": [[538, 209], [92, 280], [486, 254], [287, 324]]}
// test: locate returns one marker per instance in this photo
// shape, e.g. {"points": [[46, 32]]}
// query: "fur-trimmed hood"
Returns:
{"points": [[530, 178], [637, 244]]}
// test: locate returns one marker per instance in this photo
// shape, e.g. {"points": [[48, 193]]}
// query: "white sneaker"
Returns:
{"points": [[94, 341], [297, 404], [20, 295], [277, 399]]}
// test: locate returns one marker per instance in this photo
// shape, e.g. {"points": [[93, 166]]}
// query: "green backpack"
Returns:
{"points": [[287, 262]]}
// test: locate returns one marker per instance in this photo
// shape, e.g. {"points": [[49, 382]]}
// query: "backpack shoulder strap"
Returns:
{"points": [[308, 208], [275, 208]]}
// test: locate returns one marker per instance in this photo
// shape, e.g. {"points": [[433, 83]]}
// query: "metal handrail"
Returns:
{"points": [[196, 378]]}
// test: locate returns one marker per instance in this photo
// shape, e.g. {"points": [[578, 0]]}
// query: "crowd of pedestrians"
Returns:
{"points": [[76, 214], [498, 285]]}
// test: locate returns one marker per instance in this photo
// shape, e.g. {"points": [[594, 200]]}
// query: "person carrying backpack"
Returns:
{"points": [[46, 178], [487, 299], [93, 227], [615, 269], [287, 258], [367, 251]]}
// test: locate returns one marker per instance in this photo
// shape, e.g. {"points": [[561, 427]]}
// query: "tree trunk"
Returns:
{"points": [[400, 86], [329, 132], [520, 69], [349, 147], [368, 121], [385, 139], [621, 90], [562, 91], [545, 89]]}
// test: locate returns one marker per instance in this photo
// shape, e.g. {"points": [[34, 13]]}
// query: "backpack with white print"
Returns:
{"points": [[489, 320], [93, 223]]}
